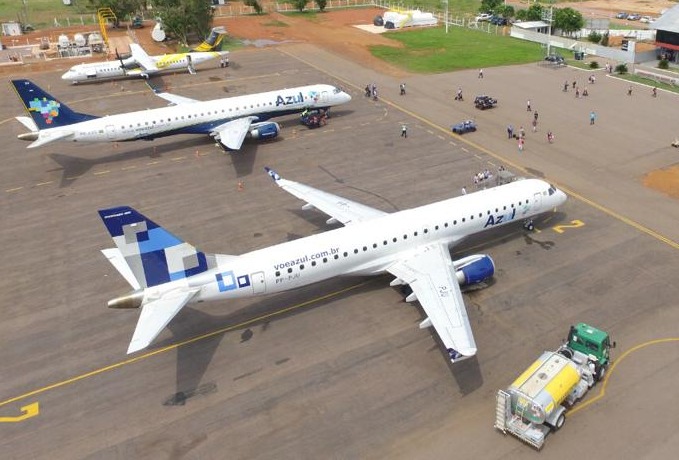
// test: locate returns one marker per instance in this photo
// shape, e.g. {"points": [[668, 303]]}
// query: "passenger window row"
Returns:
{"points": [[395, 239]]}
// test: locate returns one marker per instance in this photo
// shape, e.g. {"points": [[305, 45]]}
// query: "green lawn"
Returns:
{"points": [[431, 50], [41, 13]]}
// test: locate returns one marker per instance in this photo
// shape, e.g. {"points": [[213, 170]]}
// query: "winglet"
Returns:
{"points": [[274, 175]]}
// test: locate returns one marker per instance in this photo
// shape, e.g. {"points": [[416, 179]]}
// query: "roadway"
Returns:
{"points": [[338, 369]]}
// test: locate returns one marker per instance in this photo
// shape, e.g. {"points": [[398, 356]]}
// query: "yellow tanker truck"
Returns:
{"points": [[535, 403]]}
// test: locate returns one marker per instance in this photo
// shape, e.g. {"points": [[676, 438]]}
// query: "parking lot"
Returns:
{"points": [[339, 369]]}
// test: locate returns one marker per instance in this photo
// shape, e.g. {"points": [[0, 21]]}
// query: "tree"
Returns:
{"points": [[506, 11], [254, 4], [568, 20], [490, 5], [182, 18], [321, 4], [299, 4], [534, 12]]}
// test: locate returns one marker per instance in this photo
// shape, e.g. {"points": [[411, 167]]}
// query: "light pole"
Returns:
{"points": [[445, 18]]}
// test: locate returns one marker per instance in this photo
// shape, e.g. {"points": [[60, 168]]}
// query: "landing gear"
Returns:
{"points": [[528, 225]]}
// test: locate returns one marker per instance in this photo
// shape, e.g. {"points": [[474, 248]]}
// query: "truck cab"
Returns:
{"points": [[593, 342]]}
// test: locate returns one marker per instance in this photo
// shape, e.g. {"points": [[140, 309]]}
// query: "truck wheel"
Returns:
{"points": [[600, 373], [559, 422]]}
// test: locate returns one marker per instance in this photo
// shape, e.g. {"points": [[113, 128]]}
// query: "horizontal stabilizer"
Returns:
{"points": [[118, 261], [155, 315], [28, 123], [47, 136]]}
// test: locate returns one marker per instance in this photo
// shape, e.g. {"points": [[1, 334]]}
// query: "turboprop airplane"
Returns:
{"points": [[413, 245], [139, 64], [228, 120]]}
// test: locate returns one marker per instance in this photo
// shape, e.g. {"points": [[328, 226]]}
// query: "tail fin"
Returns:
{"points": [[213, 42], [154, 255], [45, 109]]}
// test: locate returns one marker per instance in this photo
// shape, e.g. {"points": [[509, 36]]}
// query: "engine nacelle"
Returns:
{"points": [[264, 130], [474, 269]]}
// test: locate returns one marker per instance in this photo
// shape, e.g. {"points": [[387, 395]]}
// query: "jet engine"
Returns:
{"points": [[474, 269], [264, 130]]}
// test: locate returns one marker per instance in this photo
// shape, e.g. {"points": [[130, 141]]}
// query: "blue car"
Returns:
{"points": [[466, 126]]}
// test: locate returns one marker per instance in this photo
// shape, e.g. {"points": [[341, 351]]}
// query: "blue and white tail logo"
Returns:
{"points": [[46, 110], [154, 255]]}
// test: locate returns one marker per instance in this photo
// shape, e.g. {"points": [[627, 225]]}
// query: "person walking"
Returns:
{"points": [[535, 125], [654, 92], [592, 117], [510, 131], [403, 89], [522, 132], [565, 86], [528, 109], [550, 137], [404, 130], [521, 141], [629, 90], [480, 73]]}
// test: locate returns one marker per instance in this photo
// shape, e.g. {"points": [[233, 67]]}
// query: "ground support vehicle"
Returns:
{"points": [[535, 403], [484, 102], [466, 126], [314, 118]]}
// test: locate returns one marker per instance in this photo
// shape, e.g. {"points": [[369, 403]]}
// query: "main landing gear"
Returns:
{"points": [[528, 225]]}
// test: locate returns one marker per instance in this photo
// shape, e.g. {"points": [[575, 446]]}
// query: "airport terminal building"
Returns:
{"points": [[667, 34]]}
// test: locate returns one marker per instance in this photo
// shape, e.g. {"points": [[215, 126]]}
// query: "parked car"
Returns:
{"points": [[634, 17], [466, 126], [484, 102], [555, 58], [483, 17], [621, 15], [499, 21]]}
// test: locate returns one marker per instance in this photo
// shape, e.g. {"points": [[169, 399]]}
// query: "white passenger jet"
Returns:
{"points": [[413, 245], [228, 120], [139, 64]]}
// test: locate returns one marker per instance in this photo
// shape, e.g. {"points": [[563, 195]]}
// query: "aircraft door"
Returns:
{"points": [[324, 96], [537, 201], [258, 283], [110, 131]]}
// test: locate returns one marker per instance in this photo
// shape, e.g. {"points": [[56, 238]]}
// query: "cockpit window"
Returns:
{"points": [[336, 90], [552, 190]]}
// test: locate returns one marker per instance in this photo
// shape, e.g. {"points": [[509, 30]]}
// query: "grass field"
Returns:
{"points": [[431, 50], [41, 13]]}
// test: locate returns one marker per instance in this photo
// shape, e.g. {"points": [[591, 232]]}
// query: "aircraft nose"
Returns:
{"points": [[346, 97], [561, 197]]}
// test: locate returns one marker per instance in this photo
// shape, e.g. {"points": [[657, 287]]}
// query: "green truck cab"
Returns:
{"points": [[592, 342]]}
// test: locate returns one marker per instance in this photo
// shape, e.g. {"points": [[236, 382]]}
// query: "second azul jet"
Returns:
{"points": [[229, 120]]}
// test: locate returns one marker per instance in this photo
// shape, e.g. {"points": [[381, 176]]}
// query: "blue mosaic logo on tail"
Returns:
{"points": [[154, 255], [45, 109]]}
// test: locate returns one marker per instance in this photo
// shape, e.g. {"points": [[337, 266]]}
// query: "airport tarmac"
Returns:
{"points": [[338, 369]]}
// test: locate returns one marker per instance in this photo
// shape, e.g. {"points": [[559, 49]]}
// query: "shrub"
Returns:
{"points": [[621, 68], [594, 36], [594, 65], [604, 39], [663, 64]]}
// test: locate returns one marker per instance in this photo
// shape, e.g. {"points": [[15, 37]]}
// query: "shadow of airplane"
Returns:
{"points": [[73, 167], [194, 358]]}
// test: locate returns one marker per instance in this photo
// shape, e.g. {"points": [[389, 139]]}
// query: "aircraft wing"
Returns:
{"points": [[430, 274], [232, 133], [338, 208], [155, 315], [174, 99], [143, 59]]}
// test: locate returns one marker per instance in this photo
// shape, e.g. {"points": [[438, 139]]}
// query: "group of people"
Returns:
{"points": [[371, 90]]}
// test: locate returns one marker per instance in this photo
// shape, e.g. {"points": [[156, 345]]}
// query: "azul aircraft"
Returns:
{"points": [[413, 245], [227, 120], [139, 64]]}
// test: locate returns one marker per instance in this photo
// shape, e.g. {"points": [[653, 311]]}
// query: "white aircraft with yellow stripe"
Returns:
{"points": [[139, 64]]}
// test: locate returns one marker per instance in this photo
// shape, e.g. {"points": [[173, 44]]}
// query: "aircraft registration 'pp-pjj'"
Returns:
{"points": [[228, 120], [413, 245]]}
